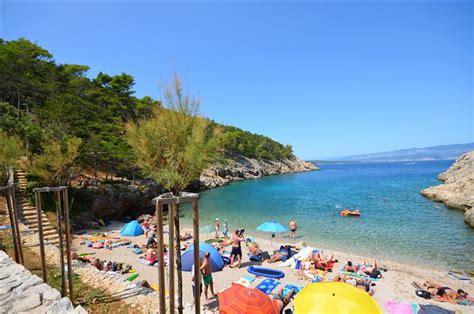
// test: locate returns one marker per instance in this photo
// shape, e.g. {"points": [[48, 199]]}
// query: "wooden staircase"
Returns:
{"points": [[28, 214]]}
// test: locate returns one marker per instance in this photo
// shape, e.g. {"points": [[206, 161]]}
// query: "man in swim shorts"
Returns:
{"points": [[207, 275], [292, 225], [237, 238]]}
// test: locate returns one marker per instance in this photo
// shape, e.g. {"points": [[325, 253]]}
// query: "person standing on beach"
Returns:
{"points": [[207, 275], [195, 292], [225, 229], [293, 226], [237, 238], [217, 226]]}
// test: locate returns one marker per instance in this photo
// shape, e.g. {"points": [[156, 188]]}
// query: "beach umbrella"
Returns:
{"points": [[239, 299], [271, 226], [187, 259], [207, 230], [334, 297]]}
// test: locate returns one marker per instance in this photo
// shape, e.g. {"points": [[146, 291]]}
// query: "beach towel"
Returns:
{"points": [[155, 287], [267, 285], [245, 280], [249, 278], [396, 307], [288, 288]]}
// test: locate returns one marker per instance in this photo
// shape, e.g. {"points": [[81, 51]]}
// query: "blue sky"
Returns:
{"points": [[329, 78]]}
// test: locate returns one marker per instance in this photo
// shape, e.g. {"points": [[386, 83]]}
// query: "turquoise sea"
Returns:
{"points": [[397, 222]]}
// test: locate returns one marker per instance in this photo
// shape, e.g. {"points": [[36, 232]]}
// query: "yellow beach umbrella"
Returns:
{"points": [[334, 297]]}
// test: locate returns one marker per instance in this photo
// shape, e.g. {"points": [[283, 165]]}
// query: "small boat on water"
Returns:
{"points": [[346, 212]]}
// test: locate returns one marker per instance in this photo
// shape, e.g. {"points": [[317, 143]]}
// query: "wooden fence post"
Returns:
{"points": [[40, 234], [68, 244], [161, 258], [197, 259]]}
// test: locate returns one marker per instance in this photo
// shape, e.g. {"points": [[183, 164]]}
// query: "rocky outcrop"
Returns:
{"points": [[119, 200], [239, 168], [457, 190]]}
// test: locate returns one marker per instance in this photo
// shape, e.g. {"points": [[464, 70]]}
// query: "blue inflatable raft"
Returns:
{"points": [[265, 272]]}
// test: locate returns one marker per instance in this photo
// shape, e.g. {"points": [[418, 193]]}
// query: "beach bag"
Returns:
{"points": [[423, 294]]}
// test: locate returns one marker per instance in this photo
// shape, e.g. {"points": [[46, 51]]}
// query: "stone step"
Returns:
{"points": [[29, 211], [49, 233], [45, 228], [34, 220]]}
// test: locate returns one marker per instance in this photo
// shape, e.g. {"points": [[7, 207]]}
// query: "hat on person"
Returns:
{"points": [[217, 219]]}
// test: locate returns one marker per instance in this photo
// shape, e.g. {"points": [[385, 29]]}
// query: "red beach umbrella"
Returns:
{"points": [[239, 299]]}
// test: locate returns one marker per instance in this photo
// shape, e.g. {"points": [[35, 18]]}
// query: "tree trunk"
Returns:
{"points": [[178, 259]]}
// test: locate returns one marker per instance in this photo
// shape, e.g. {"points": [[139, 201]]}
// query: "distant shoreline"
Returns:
{"points": [[328, 162]]}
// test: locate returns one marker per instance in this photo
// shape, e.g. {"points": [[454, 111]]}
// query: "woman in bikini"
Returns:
{"points": [[439, 292]]}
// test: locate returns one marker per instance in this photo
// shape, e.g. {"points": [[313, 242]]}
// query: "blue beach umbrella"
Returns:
{"points": [[271, 226]]}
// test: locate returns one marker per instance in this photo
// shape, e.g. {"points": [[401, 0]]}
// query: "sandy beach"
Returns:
{"points": [[395, 285]]}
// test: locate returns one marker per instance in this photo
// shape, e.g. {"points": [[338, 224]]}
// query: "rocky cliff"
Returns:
{"points": [[457, 190], [238, 168]]}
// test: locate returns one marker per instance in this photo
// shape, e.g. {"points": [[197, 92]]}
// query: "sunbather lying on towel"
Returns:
{"points": [[349, 267], [360, 283], [372, 271], [438, 291], [280, 301], [322, 263], [151, 257]]}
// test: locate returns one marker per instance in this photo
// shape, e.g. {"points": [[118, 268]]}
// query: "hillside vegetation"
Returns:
{"points": [[57, 108]]}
